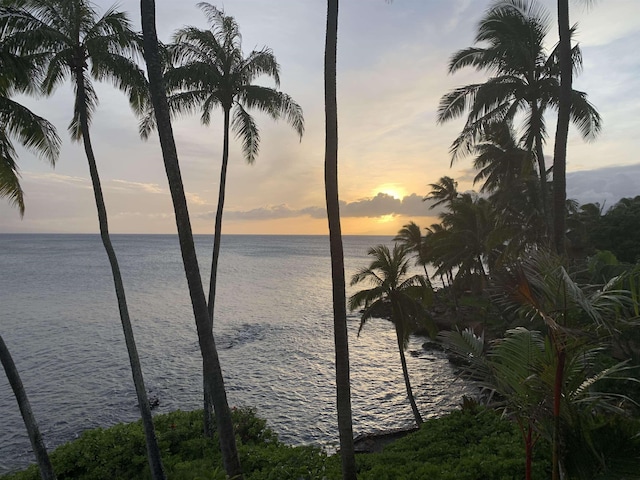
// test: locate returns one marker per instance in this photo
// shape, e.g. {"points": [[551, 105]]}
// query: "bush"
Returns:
{"points": [[460, 446]]}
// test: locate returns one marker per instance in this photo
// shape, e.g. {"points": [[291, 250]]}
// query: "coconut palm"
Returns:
{"points": [[211, 363], [500, 161], [471, 239], [525, 81], [39, 449], [507, 173], [341, 340], [74, 43], [406, 297], [444, 191], [411, 238], [33, 132], [210, 70]]}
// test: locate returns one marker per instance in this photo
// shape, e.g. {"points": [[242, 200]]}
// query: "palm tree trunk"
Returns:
{"points": [[343, 382], [542, 167], [557, 396], [153, 451], [426, 276], [37, 444], [528, 442], [217, 237], [562, 129], [211, 363], [405, 374]]}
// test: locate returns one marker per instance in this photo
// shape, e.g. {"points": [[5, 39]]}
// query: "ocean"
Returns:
{"points": [[273, 328]]}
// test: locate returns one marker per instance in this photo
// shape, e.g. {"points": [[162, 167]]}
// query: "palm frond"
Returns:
{"points": [[9, 175], [31, 130], [246, 129], [274, 103]]}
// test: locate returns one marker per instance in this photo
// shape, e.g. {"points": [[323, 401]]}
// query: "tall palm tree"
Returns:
{"points": [[211, 70], [33, 132], [74, 43], [525, 80], [210, 361], [406, 296], [37, 444], [340, 333]]}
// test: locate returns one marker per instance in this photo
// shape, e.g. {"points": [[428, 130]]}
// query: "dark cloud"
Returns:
{"points": [[382, 204]]}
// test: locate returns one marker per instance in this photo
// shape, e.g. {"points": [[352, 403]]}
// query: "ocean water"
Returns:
{"points": [[273, 328]]}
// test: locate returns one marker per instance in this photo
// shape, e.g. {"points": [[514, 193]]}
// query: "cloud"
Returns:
{"points": [[56, 178], [380, 205], [145, 187], [605, 186]]}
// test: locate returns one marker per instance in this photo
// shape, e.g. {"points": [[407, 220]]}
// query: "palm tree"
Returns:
{"points": [[467, 240], [411, 238], [444, 191], [525, 81], [39, 449], [391, 287], [211, 70], [501, 163], [32, 131], [210, 361], [74, 43], [507, 173], [340, 333]]}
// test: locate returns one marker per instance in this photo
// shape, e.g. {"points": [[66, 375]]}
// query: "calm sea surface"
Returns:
{"points": [[273, 327]]}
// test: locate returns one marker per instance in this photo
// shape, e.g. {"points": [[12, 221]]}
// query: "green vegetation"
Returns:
{"points": [[466, 445]]}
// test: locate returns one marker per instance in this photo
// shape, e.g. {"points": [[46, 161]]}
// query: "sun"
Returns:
{"points": [[392, 189]]}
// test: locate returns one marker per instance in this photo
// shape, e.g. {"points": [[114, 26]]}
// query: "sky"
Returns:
{"points": [[392, 72]]}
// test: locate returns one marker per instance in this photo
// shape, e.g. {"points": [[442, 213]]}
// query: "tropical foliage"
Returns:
{"points": [[550, 381]]}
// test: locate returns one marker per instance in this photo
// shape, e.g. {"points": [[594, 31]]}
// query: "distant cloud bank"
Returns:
{"points": [[378, 206], [605, 186]]}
